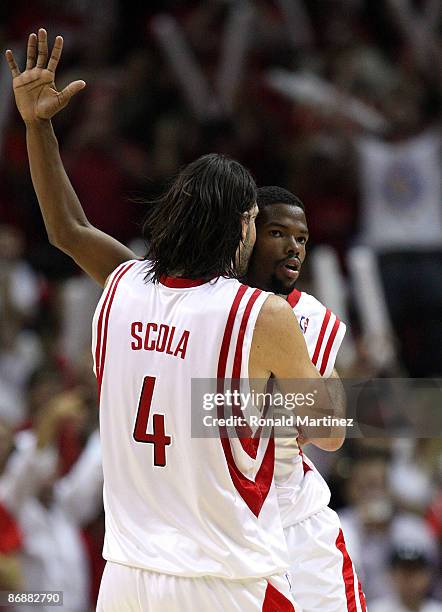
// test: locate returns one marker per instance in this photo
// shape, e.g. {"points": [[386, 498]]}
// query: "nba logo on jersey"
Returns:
{"points": [[303, 323]]}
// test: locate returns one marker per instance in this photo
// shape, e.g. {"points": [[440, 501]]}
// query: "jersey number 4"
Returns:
{"points": [[158, 438]]}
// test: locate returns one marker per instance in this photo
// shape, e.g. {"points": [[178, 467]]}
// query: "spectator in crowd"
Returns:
{"points": [[366, 521], [51, 510], [412, 564], [20, 348], [10, 535]]}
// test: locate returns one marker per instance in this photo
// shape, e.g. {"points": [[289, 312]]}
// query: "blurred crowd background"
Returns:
{"points": [[336, 100]]}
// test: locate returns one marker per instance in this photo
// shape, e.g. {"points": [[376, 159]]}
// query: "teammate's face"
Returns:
{"points": [[281, 238], [248, 240]]}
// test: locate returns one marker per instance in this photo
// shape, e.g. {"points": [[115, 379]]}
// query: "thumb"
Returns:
{"points": [[70, 90]]}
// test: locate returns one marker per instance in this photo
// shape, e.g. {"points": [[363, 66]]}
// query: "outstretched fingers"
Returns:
{"points": [[56, 54], [39, 44], [42, 57], [31, 53], [12, 64], [70, 90]]}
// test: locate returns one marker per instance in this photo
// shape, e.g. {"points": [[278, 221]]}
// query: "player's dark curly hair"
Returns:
{"points": [[266, 196], [194, 229]]}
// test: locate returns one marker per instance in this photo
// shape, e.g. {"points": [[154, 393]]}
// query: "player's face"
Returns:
{"points": [[281, 238]]}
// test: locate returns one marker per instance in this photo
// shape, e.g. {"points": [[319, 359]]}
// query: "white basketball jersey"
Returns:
{"points": [[177, 504], [301, 489]]}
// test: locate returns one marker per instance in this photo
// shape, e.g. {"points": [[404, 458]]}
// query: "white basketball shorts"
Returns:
{"points": [[323, 576], [129, 589]]}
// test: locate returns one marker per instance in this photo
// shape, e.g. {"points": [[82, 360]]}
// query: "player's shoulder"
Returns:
{"points": [[135, 266], [275, 312], [276, 333], [301, 301], [274, 306]]}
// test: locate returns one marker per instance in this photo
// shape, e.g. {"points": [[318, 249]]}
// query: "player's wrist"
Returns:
{"points": [[37, 123]]}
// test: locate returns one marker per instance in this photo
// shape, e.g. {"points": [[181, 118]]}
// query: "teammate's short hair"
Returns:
{"points": [[277, 195], [195, 229]]}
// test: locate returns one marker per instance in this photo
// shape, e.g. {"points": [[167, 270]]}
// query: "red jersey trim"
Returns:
{"points": [[249, 442], [253, 492], [328, 346], [321, 336], [224, 352], [108, 290], [178, 282], [305, 465], [293, 297], [274, 601], [100, 353]]}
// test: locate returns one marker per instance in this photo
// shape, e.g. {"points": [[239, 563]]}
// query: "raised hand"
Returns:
{"points": [[34, 89]]}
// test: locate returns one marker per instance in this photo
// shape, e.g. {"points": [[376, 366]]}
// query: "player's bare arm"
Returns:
{"points": [[279, 349], [38, 100], [338, 392]]}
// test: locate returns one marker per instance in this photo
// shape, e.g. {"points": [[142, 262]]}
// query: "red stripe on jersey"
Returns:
{"points": [[347, 573], [224, 352], [255, 440], [328, 346], [275, 601], [106, 323], [293, 297], [362, 598], [321, 336], [248, 441], [242, 331], [178, 282], [305, 465], [253, 492], [100, 319]]}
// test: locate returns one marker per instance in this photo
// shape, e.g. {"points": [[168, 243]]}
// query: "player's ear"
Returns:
{"points": [[245, 223], [246, 219]]}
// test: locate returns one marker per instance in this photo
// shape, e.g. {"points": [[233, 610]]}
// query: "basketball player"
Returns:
{"points": [[323, 576], [191, 524]]}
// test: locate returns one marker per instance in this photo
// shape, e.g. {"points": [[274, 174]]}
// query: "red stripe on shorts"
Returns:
{"points": [[362, 598], [347, 573], [275, 601]]}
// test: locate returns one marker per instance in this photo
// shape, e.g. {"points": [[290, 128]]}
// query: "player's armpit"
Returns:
{"points": [[97, 253], [278, 348]]}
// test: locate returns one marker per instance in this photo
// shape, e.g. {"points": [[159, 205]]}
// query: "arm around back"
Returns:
{"points": [[279, 350]]}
